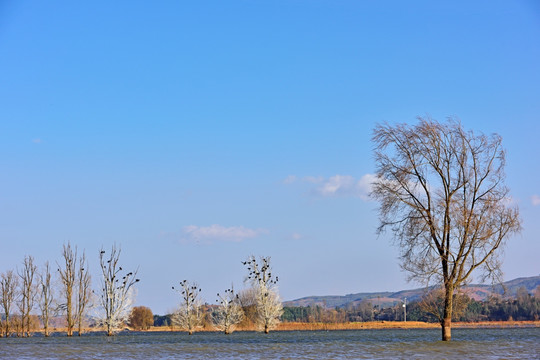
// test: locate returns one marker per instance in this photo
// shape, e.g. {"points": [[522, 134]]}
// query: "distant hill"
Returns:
{"points": [[387, 298]]}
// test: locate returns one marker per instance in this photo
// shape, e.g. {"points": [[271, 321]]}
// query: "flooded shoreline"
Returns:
{"points": [[297, 326], [509, 343]]}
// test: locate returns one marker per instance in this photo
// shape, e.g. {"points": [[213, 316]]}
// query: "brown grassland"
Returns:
{"points": [[292, 326], [402, 325], [298, 326]]}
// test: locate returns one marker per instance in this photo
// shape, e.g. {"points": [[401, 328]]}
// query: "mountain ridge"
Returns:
{"points": [[478, 292]]}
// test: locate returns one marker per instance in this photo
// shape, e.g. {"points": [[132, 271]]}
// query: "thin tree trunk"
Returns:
{"points": [[7, 325], [69, 318]]}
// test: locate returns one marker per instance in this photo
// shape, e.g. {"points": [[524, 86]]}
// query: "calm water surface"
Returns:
{"points": [[520, 343]]}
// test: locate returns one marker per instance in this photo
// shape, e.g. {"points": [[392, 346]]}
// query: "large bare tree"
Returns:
{"points": [[8, 293], [29, 291], [46, 298], [442, 193], [68, 274], [269, 307], [117, 293], [84, 292]]}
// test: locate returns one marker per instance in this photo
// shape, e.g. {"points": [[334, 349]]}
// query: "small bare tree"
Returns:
{"points": [[117, 293], [442, 194], [433, 303], [17, 325], [47, 298], [141, 318], [8, 291], [84, 292], [247, 298], [68, 275], [269, 307], [29, 291], [190, 315], [229, 313]]}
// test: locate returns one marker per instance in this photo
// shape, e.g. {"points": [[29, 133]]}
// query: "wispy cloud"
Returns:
{"points": [[338, 185], [37, 141], [216, 232], [535, 199], [290, 179]]}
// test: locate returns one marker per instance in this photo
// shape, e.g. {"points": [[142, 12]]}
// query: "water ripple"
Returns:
{"points": [[520, 343]]}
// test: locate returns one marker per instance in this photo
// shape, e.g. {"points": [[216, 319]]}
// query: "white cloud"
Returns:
{"points": [[313, 179], [296, 236], [309, 179], [535, 199], [289, 179], [37, 141], [346, 185], [365, 185], [220, 233], [338, 185]]}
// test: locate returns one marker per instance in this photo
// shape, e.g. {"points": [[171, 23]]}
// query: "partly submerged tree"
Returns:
{"points": [[117, 292], [8, 293], [442, 193], [190, 315], [46, 297], [28, 292], [84, 292], [67, 274], [269, 307], [229, 312]]}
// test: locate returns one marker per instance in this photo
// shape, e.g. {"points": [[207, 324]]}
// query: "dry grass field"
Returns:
{"points": [[297, 326], [402, 325], [292, 326]]}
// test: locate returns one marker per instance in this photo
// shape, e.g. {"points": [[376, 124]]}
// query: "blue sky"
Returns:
{"points": [[194, 134]]}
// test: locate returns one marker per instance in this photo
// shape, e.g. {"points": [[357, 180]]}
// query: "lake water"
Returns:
{"points": [[518, 343]]}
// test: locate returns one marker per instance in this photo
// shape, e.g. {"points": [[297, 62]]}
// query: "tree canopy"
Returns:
{"points": [[442, 193]]}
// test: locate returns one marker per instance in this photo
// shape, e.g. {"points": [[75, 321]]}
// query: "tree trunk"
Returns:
{"points": [[446, 322], [446, 329], [69, 319], [28, 324], [266, 329]]}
